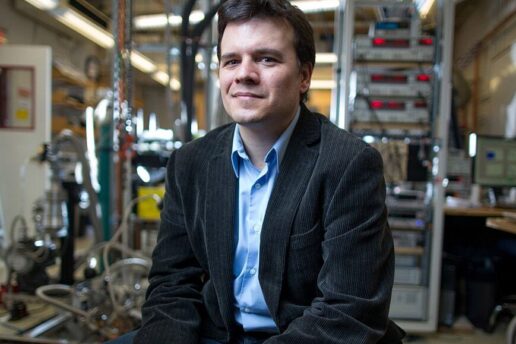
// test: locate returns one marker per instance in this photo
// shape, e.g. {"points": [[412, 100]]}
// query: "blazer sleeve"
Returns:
{"points": [[356, 278], [171, 310]]}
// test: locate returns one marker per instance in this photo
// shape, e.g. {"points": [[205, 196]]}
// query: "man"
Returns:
{"points": [[274, 228]]}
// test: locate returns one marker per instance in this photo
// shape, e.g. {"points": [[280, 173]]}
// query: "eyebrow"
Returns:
{"points": [[268, 51], [228, 56], [263, 51]]}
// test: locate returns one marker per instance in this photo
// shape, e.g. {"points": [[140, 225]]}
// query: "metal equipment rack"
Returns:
{"points": [[394, 90]]}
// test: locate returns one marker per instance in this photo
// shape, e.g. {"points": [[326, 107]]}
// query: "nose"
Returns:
{"points": [[247, 72]]}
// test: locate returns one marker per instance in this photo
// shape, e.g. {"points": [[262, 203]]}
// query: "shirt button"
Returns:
{"points": [[246, 310], [252, 271], [256, 228], [258, 186]]}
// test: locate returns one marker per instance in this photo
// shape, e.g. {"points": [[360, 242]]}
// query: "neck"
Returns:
{"points": [[258, 138], [257, 144]]}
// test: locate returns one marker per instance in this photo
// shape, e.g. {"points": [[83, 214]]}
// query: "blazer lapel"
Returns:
{"points": [[220, 225], [295, 171]]}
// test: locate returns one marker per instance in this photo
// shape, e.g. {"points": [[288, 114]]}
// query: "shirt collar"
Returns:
{"points": [[278, 149]]}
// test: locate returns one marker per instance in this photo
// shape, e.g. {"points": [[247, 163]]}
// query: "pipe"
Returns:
{"points": [[93, 209], [41, 293], [189, 48]]}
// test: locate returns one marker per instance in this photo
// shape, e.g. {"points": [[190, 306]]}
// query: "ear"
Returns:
{"points": [[306, 76]]}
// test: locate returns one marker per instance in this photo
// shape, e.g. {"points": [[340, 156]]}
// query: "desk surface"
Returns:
{"points": [[497, 218], [478, 211], [502, 224]]}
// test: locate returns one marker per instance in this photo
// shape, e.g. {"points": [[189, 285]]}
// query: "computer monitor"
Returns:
{"points": [[494, 160]]}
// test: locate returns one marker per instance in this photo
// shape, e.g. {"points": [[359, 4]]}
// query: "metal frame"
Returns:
{"points": [[340, 115]]}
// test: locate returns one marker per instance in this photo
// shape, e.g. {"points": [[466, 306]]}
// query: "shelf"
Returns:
{"points": [[396, 3], [390, 125], [63, 74], [393, 65], [68, 94], [397, 110], [70, 103], [474, 211], [410, 251], [61, 122]]}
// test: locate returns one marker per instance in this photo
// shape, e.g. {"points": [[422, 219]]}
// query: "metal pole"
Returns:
{"points": [[126, 123], [168, 45]]}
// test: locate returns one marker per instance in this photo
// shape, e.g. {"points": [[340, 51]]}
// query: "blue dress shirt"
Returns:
{"points": [[254, 190]]}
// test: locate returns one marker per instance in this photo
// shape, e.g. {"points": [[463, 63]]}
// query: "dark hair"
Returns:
{"points": [[242, 10]]}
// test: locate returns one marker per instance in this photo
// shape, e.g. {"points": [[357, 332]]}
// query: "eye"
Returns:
{"points": [[268, 60], [231, 62]]}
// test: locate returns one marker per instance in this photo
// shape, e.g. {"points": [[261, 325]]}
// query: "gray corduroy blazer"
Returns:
{"points": [[326, 255]]}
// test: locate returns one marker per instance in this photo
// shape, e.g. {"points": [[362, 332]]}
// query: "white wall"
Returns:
{"points": [[19, 190]]}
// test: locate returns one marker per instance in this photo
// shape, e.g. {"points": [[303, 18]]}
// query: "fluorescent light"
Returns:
{"points": [[142, 62], [424, 7], [325, 58], [162, 77], [175, 85], [159, 21], [472, 145], [44, 4], [196, 17], [150, 21], [316, 6], [84, 26], [322, 84]]}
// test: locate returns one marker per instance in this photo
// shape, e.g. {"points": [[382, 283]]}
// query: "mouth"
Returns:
{"points": [[246, 95]]}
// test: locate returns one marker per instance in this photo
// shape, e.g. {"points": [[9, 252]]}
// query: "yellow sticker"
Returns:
{"points": [[22, 114]]}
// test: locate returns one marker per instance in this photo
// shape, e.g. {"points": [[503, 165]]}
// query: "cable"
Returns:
{"points": [[18, 218], [42, 291], [113, 243], [140, 260], [38, 256]]}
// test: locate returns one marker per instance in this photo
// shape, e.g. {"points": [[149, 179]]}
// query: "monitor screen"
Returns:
{"points": [[494, 160]]}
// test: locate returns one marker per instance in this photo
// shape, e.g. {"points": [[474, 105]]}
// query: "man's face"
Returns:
{"points": [[261, 79]]}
